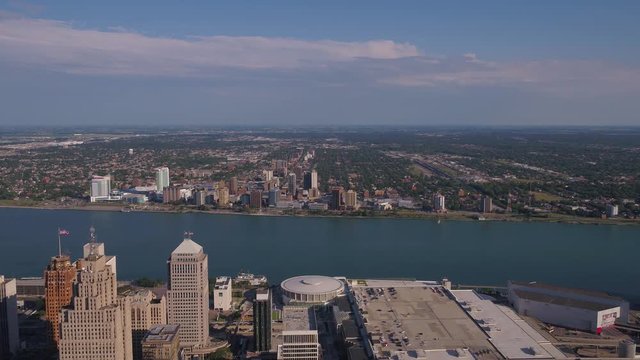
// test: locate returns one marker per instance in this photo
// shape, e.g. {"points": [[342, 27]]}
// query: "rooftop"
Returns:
{"points": [[509, 333], [298, 318], [593, 293], [162, 333], [562, 301], [222, 282], [312, 284], [188, 246], [262, 294], [408, 316]]}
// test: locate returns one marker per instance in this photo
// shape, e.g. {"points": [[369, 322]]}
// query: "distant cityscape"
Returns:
{"points": [[445, 174], [79, 310]]}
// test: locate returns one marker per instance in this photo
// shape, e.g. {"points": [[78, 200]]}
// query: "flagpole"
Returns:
{"points": [[59, 247]]}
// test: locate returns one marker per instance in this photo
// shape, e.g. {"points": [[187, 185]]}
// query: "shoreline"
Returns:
{"points": [[402, 214]]}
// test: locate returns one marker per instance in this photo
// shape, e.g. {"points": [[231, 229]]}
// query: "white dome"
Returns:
{"points": [[312, 288]]}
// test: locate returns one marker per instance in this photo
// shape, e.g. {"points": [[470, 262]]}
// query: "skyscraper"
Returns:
{"points": [[233, 186], [58, 284], [350, 200], [96, 325], [188, 293], [223, 197], [147, 311], [100, 188], [262, 320], [311, 180], [438, 202], [336, 198], [486, 204], [274, 196], [9, 341], [256, 199], [162, 178], [293, 187]]}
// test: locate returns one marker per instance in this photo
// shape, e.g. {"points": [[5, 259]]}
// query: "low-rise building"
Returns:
{"points": [[222, 293], [161, 343], [571, 308]]}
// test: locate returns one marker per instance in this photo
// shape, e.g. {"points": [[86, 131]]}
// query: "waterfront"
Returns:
{"points": [[588, 256]]}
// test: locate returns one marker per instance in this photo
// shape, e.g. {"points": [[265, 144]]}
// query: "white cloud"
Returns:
{"points": [[59, 46]]}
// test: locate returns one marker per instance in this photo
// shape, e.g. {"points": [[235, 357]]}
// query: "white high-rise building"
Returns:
{"points": [[100, 188], [314, 179], [188, 293], [438, 203], [96, 325], [268, 175], [9, 341], [162, 178]]}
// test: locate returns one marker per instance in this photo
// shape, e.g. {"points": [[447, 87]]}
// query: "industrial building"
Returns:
{"points": [[311, 289], [222, 294], [571, 308]]}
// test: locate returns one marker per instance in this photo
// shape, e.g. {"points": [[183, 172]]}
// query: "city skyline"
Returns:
{"points": [[542, 63]]}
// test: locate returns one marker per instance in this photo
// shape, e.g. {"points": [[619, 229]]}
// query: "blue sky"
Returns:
{"points": [[303, 63]]}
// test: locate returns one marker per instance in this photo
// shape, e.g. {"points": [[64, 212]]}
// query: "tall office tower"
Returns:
{"points": [[100, 188], [256, 199], [188, 293], [350, 199], [438, 202], [161, 343], [9, 340], [267, 175], [299, 335], [162, 178], [336, 198], [274, 196], [262, 320], [223, 197], [58, 284], [293, 187], [486, 204], [311, 180], [233, 186], [96, 325], [201, 197], [147, 311]]}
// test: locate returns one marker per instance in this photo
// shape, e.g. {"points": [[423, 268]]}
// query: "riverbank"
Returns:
{"points": [[397, 213]]}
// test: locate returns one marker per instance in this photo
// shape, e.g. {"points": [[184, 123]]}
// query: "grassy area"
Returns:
{"points": [[545, 196]]}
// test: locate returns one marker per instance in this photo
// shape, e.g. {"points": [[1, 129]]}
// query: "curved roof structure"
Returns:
{"points": [[312, 285]]}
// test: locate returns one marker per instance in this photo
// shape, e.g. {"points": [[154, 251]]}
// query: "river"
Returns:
{"points": [[600, 257]]}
